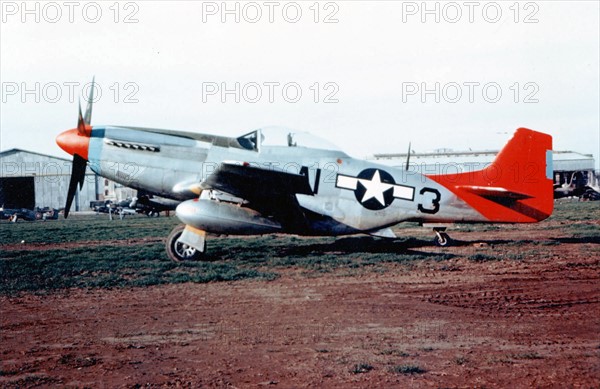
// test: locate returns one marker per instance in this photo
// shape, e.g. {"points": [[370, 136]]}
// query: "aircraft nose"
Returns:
{"points": [[74, 143]]}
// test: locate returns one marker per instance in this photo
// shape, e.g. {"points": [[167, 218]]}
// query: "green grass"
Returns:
{"points": [[482, 258], [531, 355], [321, 255], [407, 369], [360, 368], [108, 267], [85, 228], [394, 352], [122, 259], [461, 360], [576, 210], [123, 262]]}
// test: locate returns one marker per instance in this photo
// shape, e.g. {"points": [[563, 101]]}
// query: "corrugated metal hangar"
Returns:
{"points": [[569, 167], [29, 180]]}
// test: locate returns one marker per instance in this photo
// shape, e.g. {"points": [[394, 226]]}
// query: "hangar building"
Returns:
{"points": [[29, 180], [569, 167]]}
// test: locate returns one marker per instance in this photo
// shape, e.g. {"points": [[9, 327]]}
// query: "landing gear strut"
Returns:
{"points": [[441, 239], [178, 251]]}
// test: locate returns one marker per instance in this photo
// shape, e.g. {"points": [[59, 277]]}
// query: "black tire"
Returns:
{"points": [[445, 240], [177, 251]]}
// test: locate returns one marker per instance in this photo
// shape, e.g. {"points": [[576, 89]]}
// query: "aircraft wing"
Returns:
{"points": [[270, 191], [252, 182]]}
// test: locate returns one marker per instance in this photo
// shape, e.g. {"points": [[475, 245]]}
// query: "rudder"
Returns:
{"points": [[517, 187]]}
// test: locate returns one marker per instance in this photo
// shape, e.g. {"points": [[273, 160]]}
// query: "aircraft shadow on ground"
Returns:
{"points": [[497, 242], [490, 242], [351, 245], [585, 239], [370, 245]]}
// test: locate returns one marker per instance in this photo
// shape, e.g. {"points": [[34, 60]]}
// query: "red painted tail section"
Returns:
{"points": [[517, 187]]}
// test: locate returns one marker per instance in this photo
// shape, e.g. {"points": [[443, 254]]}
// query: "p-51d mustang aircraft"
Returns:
{"points": [[273, 180]]}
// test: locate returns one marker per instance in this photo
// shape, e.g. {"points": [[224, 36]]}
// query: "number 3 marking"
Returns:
{"points": [[435, 201]]}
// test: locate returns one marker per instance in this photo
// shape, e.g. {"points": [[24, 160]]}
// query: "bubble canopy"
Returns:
{"points": [[276, 136]]}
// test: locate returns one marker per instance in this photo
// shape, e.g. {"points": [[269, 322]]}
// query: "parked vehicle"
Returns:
{"points": [[17, 214]]}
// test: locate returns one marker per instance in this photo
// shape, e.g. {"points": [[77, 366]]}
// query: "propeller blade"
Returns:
{"points": [[77, 177], [79, 162], [408, 157], [81, 123], [90, 102]]}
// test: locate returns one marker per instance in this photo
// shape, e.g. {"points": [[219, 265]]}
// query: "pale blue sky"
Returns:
{"points": [[370, 59]]}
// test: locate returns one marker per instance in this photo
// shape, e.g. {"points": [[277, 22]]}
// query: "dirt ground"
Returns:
{"points": [[527, 322]]}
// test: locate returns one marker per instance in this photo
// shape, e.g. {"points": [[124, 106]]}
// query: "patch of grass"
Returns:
{"points": [[77, 361], [121, 262], [515, 257], [406, 369], [548, 243], [395, 352], [33, 381], [482, 258], [318, 255], [478, 227], [360, 368], [520, 242], [108, 267], [122, 259], [85, 228], [568, 210], [532, 355], [461, 360]]}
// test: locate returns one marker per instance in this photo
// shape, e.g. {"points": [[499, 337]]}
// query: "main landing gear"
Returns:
{"points": [[179, 251]]}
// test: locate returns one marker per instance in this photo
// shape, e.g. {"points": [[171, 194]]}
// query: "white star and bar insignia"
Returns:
{"points": [[375, 189]]}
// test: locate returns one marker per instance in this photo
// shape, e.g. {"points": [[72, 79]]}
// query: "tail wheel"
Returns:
{"points": [[178, 251], [442, 239]]}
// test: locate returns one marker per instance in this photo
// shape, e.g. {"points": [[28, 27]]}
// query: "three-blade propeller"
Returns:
{"points": [[79, 162]]}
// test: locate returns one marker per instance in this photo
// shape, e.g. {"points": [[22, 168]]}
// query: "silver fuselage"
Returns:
{"points": [[168, 164]]}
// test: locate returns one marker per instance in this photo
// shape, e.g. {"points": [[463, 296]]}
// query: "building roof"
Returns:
{"points": [[24, 163], [8, 152], [562, 160]]}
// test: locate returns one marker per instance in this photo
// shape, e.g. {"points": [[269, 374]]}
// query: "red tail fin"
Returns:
{"points": [[517, 187]]}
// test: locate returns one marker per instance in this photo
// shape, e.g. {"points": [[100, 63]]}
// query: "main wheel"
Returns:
{"points": [[178, 251], [442, 240]]}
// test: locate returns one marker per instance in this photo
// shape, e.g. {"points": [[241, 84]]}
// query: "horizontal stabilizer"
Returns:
{"points": [[494, 192]]}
